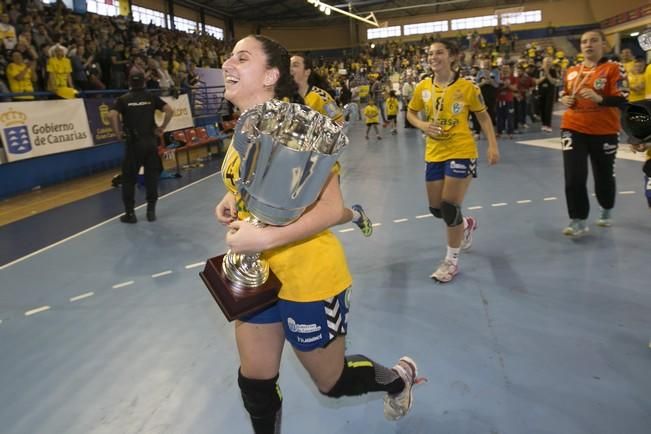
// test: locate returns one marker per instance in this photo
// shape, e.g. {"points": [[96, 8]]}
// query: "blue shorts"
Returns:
{"points": [[461, 168], [308, 325]]}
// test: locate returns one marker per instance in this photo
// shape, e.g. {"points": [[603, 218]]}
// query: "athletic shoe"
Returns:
{"points": [[379, 137], [398, 405], [128, 217], [470, 226], [366, 137], [576, 228], [605, 219], [363, 222], [445, 272]]}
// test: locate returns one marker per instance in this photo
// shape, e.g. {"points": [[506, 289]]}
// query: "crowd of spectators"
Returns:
{"points": [[50, 48]]}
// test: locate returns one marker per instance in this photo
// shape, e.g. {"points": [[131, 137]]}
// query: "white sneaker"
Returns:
{"points": [[398, 405], [445, 272], [605, 220], [576, 228], [470, 225]]}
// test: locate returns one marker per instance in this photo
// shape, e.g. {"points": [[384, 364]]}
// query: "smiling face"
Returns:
{"points": [[247, 79], [592, 46], [439, 58]]}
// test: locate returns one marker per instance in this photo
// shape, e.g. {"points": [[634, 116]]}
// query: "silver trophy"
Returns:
{"points": [[287, 152]]}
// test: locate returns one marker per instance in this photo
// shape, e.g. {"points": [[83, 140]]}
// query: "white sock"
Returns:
{"points": [[453, 255], [356, 215]]}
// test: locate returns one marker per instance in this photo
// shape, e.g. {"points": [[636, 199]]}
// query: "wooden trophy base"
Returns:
{"points": [[236, 300]]}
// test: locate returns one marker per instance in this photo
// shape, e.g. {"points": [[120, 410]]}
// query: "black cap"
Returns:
{"points": [[636, 120]]}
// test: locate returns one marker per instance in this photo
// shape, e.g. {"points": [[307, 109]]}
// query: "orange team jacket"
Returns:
{"points": [[586, 116]]}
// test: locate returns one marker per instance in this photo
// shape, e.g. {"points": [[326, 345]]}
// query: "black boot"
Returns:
{"points": [[151, 212], [128, 217]]}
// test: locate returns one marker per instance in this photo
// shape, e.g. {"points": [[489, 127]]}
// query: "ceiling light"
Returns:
{"points": [[634, 34]]}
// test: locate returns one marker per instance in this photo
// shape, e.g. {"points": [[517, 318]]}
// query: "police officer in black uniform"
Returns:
{"points": [[140, 133]]}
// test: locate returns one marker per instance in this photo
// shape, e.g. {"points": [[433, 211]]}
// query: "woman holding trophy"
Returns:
{"points": [[450, 151], [309, 261]]}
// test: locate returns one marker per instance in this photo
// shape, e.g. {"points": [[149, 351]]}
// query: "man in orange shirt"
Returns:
{"points": [[594, 91]]}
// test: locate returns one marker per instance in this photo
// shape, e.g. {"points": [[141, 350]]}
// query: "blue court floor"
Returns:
{"points": [[112, 331]]}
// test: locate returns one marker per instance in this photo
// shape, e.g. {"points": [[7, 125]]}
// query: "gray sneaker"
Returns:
{"points": [[576, 228], [398, 405], [605, 220]]}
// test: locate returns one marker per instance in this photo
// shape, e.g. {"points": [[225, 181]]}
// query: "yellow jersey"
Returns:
{"points": [[449, 106], [321, 101], [647, 82], [371, 114], [312, 269], [20, 86], [636, 81], [392, 106], [60, 68]]}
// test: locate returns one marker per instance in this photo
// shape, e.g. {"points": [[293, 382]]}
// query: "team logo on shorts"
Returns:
{"points": [[302, 328], [600, 83], [457, 107]]}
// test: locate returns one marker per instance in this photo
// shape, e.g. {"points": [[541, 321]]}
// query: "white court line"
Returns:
{"points": [[472, 208], [623, 152], [123, 284], [195, 265], [376, 224], [524, 201], [424, 216], [400, 220], [162, 273], [499, 204], [627, 192], [82, 296], [550, 198], [346, 230], [46, 248], [37, 310]]}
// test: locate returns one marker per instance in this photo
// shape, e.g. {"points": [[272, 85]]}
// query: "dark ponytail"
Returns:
{"points": [[278, 57]]}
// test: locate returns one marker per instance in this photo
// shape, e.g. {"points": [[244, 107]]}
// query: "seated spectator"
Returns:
{"points": [[79, 63], [59, 71], [7, 32], [20, 76]]}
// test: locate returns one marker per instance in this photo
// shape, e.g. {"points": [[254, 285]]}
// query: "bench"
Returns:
{"points": [[191, 138]]}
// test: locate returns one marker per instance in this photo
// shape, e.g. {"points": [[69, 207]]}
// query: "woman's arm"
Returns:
{"points": [[486, 124], [324, 213]]}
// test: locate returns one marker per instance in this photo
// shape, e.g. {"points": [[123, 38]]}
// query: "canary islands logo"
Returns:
{"points": [[104, 114], [15, 132]]}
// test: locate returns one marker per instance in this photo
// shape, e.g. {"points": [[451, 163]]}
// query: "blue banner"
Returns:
{"points": [[97, 110]]}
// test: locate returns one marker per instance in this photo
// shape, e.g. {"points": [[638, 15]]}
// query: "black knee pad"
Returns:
{"points": [[436, 212], [262, 398], [451, 214], [362, 375]]}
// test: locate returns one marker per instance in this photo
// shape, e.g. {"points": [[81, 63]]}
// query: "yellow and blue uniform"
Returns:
{"points": [[314, 276], [321, 101], [450, 107]]}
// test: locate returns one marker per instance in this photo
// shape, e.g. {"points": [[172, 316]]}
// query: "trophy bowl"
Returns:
{"points": [[286, 152]]}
